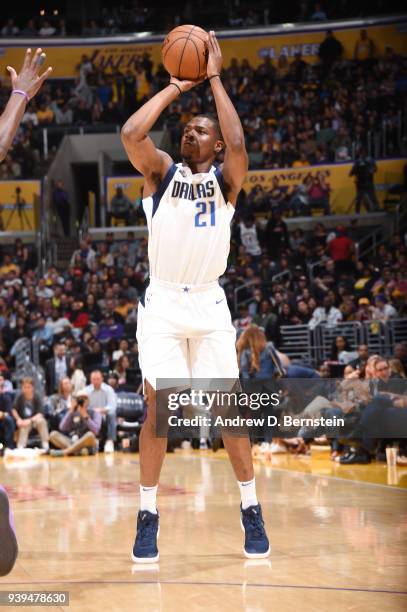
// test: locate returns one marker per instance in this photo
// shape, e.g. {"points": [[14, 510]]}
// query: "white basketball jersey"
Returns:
{"points": [[250, 241], [188, 221]]}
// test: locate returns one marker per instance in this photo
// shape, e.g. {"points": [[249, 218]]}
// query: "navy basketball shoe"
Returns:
{"points": [[256, 543], [8, 540], [145, 547]]}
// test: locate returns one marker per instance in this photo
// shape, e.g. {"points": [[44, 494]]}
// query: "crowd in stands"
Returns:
{"points": [[139, 15], [83, 320], [294, 114]]}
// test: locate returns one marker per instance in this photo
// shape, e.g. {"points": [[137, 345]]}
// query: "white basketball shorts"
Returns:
{"points": [[185, 332]]}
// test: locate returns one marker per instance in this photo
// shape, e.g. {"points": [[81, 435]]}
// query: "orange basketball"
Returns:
{"points": [[185, 53]]}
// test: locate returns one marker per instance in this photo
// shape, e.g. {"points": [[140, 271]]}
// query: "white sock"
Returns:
{"points": [[148, 498], [248, 493]]}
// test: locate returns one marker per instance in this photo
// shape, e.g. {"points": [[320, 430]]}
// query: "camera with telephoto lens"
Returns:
{"points": [[81, 401]]}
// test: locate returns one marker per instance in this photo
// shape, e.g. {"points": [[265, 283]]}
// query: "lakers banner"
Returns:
{"points": [[65, 57], [132, 187], [335, 177], [19, 205], [255, 49]]}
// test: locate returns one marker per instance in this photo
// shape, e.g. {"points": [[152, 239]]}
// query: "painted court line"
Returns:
{"points": [[220, 584]]}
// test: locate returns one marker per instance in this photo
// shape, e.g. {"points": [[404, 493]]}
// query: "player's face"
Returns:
{"points": [[199, 141]]}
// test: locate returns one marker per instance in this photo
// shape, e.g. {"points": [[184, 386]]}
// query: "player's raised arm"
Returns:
{"points": [[143, 154], [236, 163], [25, 85]]}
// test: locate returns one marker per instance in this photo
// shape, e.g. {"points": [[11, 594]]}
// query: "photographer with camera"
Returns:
{"points": [[78, 429]]}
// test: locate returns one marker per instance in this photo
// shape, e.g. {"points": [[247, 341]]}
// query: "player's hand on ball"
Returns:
{"points": [[214, 56], [29, 79], [185, 85]]}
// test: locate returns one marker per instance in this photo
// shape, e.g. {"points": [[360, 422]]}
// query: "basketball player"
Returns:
{"points": [[25, 86], [184, 326]]}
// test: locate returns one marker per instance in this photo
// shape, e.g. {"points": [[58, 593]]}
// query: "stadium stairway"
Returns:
{"points": [[64, 248]]}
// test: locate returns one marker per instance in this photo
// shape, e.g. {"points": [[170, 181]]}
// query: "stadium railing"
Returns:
{"points": [[376, 336], [325, 335], [297, 341], [26, 365], [315, 346], [397, 331]]}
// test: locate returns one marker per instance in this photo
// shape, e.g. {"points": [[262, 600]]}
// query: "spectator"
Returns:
{"points": [[46, 29], [78, 430], [383, 311], [302, 162], [318, 14], [275, 235], [60, 402], [254, 357], [78, 378], [266, 320], [244, 318], [28, 412], [63, 114], [103, 399], [363, 170], [299, 200], [287, 316], [30, 30], [327, 314], [10, 29], [122, 350], [256, 155], [45, 114], [364, 312], [85, 253], [318, 193], [396, 368], [56, 368], [43, 336], [92, 309], [400, 353], [330, 50], [92, 29], [78, 317], [364, 47], [123, 364], [248, 236], [339, 345], [341, 249], [7, 425], [109, 329], [361, 360]]}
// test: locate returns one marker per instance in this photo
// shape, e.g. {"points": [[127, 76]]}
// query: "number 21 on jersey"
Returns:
{"points": [[202, 209]]}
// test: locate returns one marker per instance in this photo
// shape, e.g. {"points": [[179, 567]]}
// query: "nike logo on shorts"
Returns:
{"points": [[219, 301]]}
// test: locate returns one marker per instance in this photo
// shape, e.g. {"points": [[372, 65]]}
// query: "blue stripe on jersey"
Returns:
{"points": [[161, 190], [143, 297], [221, 183]]}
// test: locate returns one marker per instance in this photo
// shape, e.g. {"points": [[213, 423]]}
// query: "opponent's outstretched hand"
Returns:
{"points": [[29, 79], [214, 55]]}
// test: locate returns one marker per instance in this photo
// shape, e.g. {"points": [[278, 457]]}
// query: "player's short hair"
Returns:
{"points": [[214, 122]]}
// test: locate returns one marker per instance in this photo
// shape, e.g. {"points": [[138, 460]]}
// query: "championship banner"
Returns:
{"points": [[132, 187], [342, 187], [66, 55], [336, 176], [19, 205]]}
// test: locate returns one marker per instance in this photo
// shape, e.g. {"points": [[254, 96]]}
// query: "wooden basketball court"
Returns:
{"points": [[338, 535]]}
